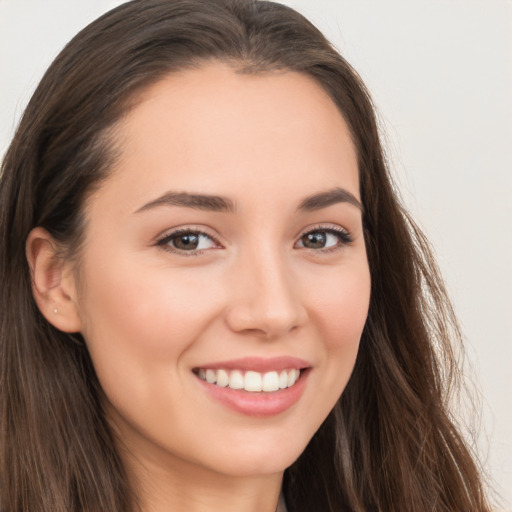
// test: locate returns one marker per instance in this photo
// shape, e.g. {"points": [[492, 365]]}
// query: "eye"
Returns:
{"points": [[324, 239], [187, 240]]}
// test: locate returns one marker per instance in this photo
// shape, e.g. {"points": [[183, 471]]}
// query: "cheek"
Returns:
{"points": [[341, 304], [138, 319], [340, 309]]}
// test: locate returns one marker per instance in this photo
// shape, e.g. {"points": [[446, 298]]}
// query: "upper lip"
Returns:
{"points": [[258, 364]]}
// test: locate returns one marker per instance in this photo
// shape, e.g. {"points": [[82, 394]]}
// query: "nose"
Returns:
{"points": [[267, 300]]}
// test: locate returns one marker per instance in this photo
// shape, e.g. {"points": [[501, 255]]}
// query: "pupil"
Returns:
{"points": [[314, 240], [187, 242]]}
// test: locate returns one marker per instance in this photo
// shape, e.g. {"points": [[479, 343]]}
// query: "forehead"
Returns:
{"points": [[213, 126]]}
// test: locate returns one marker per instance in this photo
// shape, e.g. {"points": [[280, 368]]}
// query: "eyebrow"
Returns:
{"points": [[328, 198], [216, 203], [195, 201]]}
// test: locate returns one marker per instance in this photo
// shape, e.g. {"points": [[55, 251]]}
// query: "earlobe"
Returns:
{"points": [[53, 283]]}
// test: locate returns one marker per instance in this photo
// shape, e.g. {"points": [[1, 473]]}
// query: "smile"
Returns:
{"points": [[255, 386], [253, 381]]}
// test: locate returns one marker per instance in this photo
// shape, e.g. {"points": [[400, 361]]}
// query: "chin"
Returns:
{"points": [[259, 459]]}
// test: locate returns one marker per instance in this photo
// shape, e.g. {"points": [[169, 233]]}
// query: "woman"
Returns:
{"points": [[211, 294]]}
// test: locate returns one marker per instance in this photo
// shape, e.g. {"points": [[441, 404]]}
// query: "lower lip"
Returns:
{"points": [[257, 404]]}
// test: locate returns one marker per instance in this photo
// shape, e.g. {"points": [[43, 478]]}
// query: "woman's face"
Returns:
{"points": [[227, 245]]}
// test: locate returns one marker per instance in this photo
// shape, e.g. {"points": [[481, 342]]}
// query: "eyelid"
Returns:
{"points": [[346, 237], [326, 226], [163, 239]]}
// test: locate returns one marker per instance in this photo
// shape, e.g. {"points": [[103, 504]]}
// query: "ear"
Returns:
{"points": [[53, 282]]}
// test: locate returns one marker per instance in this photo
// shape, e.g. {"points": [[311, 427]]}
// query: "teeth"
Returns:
{"points": [[222, 378], [283, 379], [293, 375], [270, 381], [251, 381], [211, 376], [236, 380]]}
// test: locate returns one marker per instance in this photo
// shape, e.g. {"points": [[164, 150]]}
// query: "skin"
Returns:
{"points": [[151, 313]]}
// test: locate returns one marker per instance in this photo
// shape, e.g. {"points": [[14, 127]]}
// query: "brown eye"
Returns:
{"points": [[188, 242], [314, 240], [185, 240], [325, 239]]}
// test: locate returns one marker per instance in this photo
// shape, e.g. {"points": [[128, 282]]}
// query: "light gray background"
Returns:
{"points": [[440, 72]]}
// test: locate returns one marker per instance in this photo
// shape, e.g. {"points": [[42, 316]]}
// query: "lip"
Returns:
{"points": [[257, 404], [258, 364]]}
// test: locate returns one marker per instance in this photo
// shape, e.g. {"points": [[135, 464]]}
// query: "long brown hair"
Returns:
{"points": [[389, 443]]}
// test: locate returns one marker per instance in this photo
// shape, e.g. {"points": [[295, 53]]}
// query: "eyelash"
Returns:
{"points": [[164, 242], [343, 235]]}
